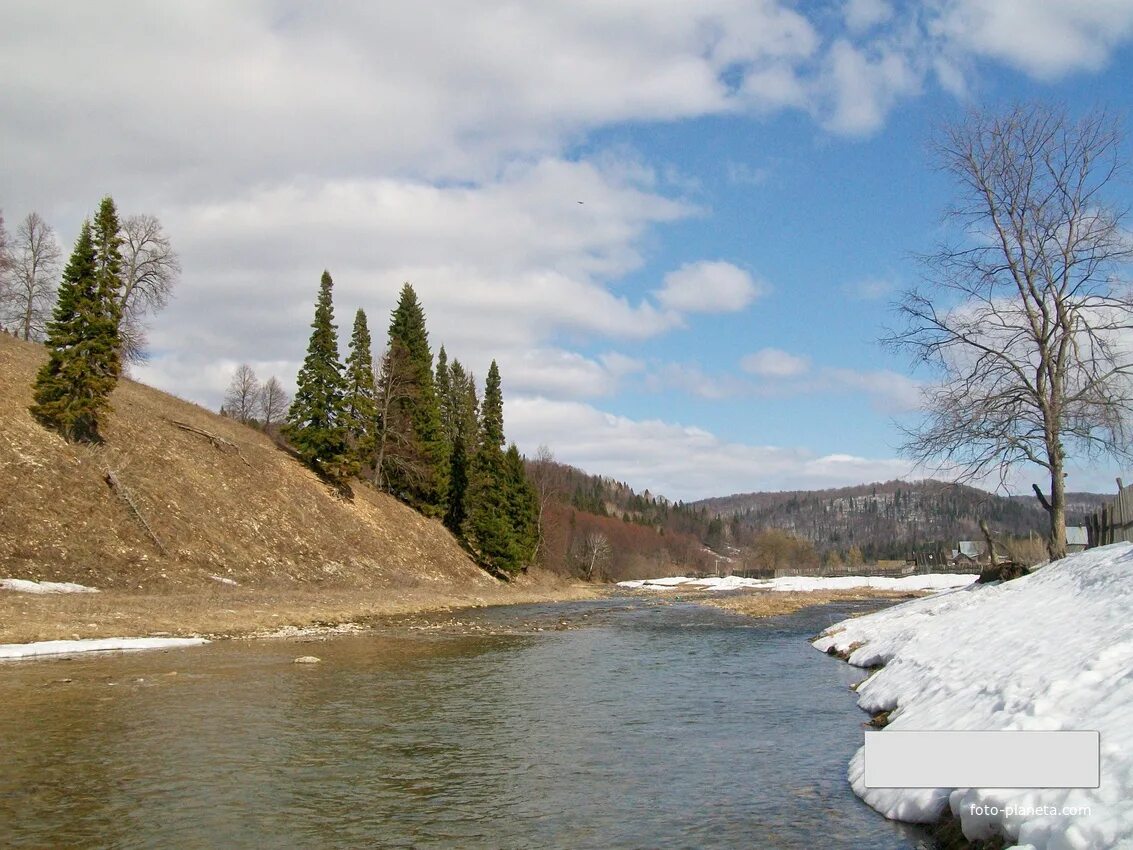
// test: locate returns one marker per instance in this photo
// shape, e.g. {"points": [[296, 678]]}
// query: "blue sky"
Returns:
{"points": [[754, 176]]}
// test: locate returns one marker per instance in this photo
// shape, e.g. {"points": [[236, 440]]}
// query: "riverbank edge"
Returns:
{"points": [[946, 832], [248, 613]]}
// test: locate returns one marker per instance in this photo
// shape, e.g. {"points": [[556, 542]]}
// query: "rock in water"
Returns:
{"points": [[307, 659]]}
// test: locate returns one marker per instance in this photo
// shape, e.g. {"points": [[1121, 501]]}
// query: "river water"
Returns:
{"points": [[640, 725]]}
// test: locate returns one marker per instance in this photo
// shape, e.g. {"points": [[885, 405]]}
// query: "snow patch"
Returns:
{"points": [[1052, 650], [25, 586], [929, 581], [70, 647]]}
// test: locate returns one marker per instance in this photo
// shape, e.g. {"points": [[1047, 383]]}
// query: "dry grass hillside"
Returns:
{"points": [[237, 507]]}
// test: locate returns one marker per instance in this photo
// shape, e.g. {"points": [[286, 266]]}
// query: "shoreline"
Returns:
{"points": [[224, 612], [250, 612]]}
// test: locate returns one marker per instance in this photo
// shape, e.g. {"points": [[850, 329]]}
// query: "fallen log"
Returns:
{"points": [[218, 441], [122, 493]]}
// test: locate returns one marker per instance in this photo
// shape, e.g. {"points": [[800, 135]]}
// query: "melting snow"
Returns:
{"points": [[931, 581], [70, 647], [24, 586], [1053, 650]]}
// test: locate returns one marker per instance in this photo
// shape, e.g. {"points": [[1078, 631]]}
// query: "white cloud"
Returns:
{"points": [[709, 287], [681, 462], [890, 392], [774, 363], [1046, 40], [561, 374], [860, 85], [691, 379]]}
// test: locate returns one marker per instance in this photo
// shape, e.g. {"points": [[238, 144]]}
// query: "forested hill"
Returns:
{"points": [[647, 534], [886, 520]]}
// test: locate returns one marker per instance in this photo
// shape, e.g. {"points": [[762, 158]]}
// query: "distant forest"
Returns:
{"points": [[757, 533]]}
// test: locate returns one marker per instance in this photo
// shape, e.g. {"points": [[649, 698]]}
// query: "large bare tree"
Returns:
{"points": [[273, 403], [1024, 315], [27, 291], [243, 398], [150, 270]]}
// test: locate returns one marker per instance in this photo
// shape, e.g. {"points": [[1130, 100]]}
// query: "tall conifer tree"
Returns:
{"points": [[465, 427], [488, 526], [523, 507], [361, 403], [72, 389], [423, 483], [315, 422], [107, 237], [443, 385]]}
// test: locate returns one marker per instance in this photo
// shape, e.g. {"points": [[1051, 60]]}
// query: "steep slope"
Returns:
{"points": [[237, 507]]}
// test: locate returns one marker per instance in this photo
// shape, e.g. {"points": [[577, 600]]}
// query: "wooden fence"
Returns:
{"points": [[1114, 522]]}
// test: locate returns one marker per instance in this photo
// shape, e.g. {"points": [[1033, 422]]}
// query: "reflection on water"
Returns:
{"points": [[650, 726]]}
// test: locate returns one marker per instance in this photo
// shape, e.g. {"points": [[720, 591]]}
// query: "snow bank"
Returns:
{"points": [[24, 586], [932, 581], [1053, 650], [70, 647]]}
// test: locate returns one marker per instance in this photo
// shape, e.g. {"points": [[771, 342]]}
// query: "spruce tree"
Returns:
{"points": [[464, 409], [315, 422], [107, 238], [523, 507], [424, 482], [361, 402], [488, 527], [72, 389]]}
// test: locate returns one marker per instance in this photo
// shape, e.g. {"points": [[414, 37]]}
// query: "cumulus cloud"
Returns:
{"points": [[1045, 40], [860, 85], [774, 363], [709, 287]]}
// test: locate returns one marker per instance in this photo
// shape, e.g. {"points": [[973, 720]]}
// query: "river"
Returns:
{"points": [[637, 724]]}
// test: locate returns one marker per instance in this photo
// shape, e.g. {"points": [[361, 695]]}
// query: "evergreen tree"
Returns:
{"points": [[445, 400], [361, 402], [424, 482], [463, 407], [489, 526], [523, 507], [107, 239], [492, 411], [72, 389], [315, 422]]}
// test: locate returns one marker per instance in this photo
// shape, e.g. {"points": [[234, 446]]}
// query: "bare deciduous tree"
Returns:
{"points": [[150, 269], [273, 403], [243, 398], [594, 554], [1026, 320], [541, 471], [27, 293]]}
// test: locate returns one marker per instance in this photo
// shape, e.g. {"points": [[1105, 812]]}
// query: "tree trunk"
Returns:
{"points": [[1056, 542]]}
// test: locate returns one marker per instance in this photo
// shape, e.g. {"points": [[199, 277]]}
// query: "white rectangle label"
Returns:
{"points": [[982, 759]]}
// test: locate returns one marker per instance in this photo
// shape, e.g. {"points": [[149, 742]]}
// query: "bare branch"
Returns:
{"points": [[150, 270]]}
